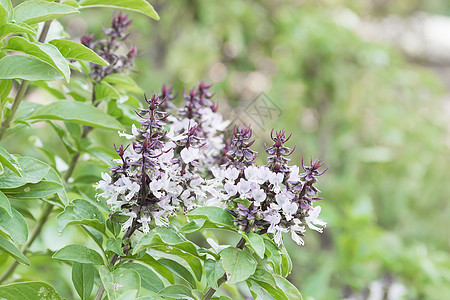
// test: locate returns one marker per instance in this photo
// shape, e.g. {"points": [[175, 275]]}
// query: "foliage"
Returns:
{"points": [[373, 118]]}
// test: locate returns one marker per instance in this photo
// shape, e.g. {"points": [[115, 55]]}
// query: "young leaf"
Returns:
{"points": [[32, 290], [256, 242], [14, 226], [124, 82], [4, 204], [33, 171], [286, 263], [12, 250], [115, 246], [288, 288], [193, 262], [273, 255], [105, 91], [5, 10], [36, 11], [43, 51], [73, 111], [27, 68], [162, 237], [213, 271], [140, 6], [81, 212], [73, 50], [158, 267], [119, 282], [10, 162], [256, 290], [79, 254], [149, 280], [267, 282], [41, 189], [9, 28], [178, 270], [53, 176], [239, 264], [216, 215], [177, 291], [83, 279]]}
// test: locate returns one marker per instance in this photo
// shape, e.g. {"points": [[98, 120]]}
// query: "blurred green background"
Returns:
{"points": [[377, 118]]}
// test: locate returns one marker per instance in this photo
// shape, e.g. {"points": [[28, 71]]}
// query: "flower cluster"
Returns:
{"points": [[180, 160], [108, 48], [152, 181], [199, 112], [272, 198]]}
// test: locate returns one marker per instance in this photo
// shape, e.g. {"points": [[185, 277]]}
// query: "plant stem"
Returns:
{"points": [[112, 261], [221, 280], [36, 231], [23, 86], [73, 163], [15, 105]]}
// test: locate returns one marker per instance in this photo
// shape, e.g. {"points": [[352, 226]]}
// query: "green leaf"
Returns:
{"points": [[36, 11], [27, 68], [194, 226], [140, 6], [216, 215], [273, 255], [193, 262], [256, 242], [73, 50], [149, 280], [41, 189], [288, 288], [178, 270], [10, 28], [4, 204], [125, 82], [257, 291], [14, 226], [7, 160], [33, 290], [12, 250], [83, 279], [33, 171], [53, 176], [5, 10], [43, 51], [5, 89], [96, 236], [73, 111], [115, 246], [161, 236], [286, 263], [213, 271], [119, 282], [239, 264], [79, 254], [81, 212], [267, 282], [104, 91], [158, 267], [177, 291]]}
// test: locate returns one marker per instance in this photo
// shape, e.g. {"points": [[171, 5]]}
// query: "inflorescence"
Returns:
{"points": [[179, 160], [108, 48]]}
